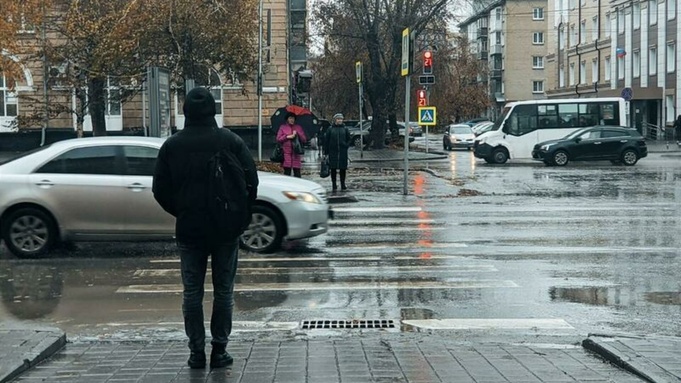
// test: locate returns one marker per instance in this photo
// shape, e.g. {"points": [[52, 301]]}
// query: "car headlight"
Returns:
{"points": [[545, 147], [452, 138], [302, 196]]}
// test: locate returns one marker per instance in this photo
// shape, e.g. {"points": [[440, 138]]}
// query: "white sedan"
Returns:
{"points": [[99, 189]]}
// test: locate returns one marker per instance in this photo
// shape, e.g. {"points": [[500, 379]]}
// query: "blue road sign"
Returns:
{"points": [[427, 115], [627, 94]]}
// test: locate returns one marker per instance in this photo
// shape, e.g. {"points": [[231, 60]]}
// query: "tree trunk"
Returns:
{"points": [[97, 105], [81, 107]]}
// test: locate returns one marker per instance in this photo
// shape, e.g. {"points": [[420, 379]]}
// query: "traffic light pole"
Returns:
{"points": [[427, 126], [407, 93]]}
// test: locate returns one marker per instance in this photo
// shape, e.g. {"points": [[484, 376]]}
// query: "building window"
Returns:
{"points": [[573, 36], [636, 62], [537, 86], [8, 99], [620, 21], [594, 28], [652, 61], [608, 26], [497, 38], [538, 14], [669, 101], [573, 4], [561, 77], [594, 71], [652, 11], [637, 15], [582, 32], [538, 38], [497, 14], [582, 72], [537, 62], [561, 38], [620, 68], [671, 9], [608, 69], [571, 74], [671, 57]]}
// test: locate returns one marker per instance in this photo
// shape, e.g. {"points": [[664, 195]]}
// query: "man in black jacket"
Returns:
{"points": [[180, 186]]}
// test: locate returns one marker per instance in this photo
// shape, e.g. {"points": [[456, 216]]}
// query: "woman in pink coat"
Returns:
{"points": [[287, 132]]}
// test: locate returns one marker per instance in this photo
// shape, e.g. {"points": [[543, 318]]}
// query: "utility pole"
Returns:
{"points": [[358, 75], [259, 85], [45, 79]]}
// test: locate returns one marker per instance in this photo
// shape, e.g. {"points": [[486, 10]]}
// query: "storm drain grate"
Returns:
{"points": [[348, 324]]}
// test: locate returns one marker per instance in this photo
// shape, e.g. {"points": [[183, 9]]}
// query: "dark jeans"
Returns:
{"points": [[194, 261], [296, 172]]}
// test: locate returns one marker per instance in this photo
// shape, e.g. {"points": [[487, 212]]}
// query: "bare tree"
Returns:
{"points": [[374, 28]]}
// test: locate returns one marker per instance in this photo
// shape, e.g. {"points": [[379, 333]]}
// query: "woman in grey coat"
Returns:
{"points": [[336, 144]]}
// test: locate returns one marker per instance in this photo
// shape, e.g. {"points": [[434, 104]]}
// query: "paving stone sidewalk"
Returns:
{"points": [[386, 357], [23, 347]]}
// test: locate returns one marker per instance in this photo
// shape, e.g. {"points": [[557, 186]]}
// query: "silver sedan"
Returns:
{"points": [[99, 189]]}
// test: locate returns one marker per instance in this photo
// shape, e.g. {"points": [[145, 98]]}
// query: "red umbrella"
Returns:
{"points": [[304, 117]]}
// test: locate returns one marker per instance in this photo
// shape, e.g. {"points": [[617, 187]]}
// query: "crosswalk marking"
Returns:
{"points": [[375, 209], [485, 323], [328, 286], [364, 270]]}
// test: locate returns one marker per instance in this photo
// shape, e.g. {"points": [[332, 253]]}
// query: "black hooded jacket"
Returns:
{"points": [[181, 176]]}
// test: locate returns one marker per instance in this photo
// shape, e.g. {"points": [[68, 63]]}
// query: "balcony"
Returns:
{"points": [[482, 55], [482, 32], [496, 49], [495, 73]]}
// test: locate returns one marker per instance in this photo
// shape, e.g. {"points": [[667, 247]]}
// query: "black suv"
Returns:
{"points": [[618, 144]]}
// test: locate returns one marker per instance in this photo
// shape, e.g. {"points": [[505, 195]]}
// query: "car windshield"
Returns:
{"points": [[461, 130], [504, 113]]}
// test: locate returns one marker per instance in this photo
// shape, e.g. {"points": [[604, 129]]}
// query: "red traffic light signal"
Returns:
{"points": [[421, 97], [427, 62]]}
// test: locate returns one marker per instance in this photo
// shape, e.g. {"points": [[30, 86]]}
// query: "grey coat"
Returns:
{"points": [[336, 144]]}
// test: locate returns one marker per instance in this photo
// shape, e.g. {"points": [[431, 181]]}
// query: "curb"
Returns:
{"points": [[50, 343], [604, 346]]}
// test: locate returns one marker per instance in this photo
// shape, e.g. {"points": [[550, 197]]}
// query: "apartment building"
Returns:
{"points": [[285, 54], [511, 36], [603, 48]]}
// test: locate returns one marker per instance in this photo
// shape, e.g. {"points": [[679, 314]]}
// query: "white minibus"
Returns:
{"points": [[523, 124]]}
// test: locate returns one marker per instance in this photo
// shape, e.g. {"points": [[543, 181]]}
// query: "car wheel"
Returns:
{"points": [[629, 157], [29, 232], [560, 158], [265, 233], [500, 155]]}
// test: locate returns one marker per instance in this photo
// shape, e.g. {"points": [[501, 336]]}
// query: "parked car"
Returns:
{"points": [[482, 127], [356, 133], [99, 189], [474, 121], [458, 136], [618, 144]]}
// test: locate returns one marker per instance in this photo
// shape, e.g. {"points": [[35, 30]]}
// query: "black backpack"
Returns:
{"points": [[228, 201]]}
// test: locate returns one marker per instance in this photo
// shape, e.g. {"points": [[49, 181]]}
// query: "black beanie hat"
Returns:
{"points": [[199, 103]]}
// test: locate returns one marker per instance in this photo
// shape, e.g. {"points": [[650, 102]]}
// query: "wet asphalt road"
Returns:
{"points": [[519, 247]]}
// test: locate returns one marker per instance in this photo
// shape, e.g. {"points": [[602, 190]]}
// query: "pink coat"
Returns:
{"points": [[291, 160]]}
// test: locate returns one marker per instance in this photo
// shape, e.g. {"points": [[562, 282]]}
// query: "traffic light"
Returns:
{"points": [[428, 62], [421, 97]]}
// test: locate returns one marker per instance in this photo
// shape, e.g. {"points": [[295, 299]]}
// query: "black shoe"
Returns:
{"points": [[197, 359], [344, 188], [220, 358]]}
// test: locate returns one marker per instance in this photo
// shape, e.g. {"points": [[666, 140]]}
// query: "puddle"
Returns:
{"points": [[588, 295], [664, 298]]}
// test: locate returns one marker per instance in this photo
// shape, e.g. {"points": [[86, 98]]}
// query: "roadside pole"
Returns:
{"points": [[407, 59], [358, 73], [259, 85]]}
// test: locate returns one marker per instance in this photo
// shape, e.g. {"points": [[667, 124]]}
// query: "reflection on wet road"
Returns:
{"points": [[589, 247]]}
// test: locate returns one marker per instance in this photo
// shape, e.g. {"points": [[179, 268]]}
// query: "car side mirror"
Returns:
{"points": [[578, 139]]}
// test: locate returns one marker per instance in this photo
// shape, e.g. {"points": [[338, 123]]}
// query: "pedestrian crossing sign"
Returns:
{"points": [[427, 115]]}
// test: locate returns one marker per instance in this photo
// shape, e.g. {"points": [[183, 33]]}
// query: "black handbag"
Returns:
{"points": [[297, 146], [324, 169], [277, 154]]}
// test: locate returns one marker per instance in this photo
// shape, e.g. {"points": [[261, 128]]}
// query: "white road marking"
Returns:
{"points": [[326, 286], [373, 209], [391, 229], [351, 270], [483, 323], [376, 222]]}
